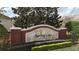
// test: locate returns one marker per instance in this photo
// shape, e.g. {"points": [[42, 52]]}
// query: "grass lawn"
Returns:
{"points": [[72, 48]]}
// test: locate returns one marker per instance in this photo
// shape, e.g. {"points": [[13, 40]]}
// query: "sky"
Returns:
{"points": [[9, 12], [63, 11], [67, 11]]}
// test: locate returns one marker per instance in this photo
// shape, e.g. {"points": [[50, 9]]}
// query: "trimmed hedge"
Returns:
{"points": [[51, 46]]}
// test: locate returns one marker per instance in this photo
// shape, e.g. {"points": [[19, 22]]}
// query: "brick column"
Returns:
{"points": [[15, 35], [62, 33]]}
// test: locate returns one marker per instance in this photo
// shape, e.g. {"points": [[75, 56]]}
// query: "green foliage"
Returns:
{"points": [[75, 28], [3, 30], [51, 46], [30, 16], [53, 20], [68, 25], [22, 19], [74, 38]]}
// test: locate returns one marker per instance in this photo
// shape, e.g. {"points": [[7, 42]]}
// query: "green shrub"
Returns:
{"points": [[74, 38], [68, 25], [51, 46], [75, 27], [3, 30]]}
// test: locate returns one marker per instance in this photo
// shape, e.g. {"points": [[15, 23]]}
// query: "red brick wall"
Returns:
{"points": [[18, 35], [62, 34], [15, 36]]}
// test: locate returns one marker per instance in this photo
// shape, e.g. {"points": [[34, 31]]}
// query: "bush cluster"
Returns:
{"points": [[3, 30], [51, 46]]}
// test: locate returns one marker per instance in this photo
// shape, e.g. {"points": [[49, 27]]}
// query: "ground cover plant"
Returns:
{"points": [[51, 46]]}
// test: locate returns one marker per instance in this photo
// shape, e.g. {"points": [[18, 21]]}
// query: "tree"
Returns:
{"points": [[21, 20], [53, 17], [30, 16], [68, 25]]}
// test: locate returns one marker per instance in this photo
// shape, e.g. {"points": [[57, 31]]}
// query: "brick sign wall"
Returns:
{"points": [[36, 33]]}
